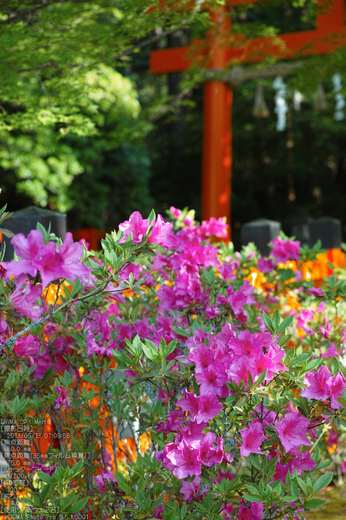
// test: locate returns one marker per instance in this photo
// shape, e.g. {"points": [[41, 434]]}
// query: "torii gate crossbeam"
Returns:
{"points": [[217, 128]]}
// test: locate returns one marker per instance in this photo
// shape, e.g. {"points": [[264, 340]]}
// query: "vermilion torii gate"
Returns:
{"points": [[329, 35]]}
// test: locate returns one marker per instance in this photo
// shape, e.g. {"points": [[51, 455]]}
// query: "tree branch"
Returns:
{"points": [[149, 41], [24, 13]]}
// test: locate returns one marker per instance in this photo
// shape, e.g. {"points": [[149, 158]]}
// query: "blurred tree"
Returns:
{"points": [[71, 135], [47, 47], [44, 163]]}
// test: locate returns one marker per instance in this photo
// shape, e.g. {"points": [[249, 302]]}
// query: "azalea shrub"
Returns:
{"points": [[168, 376]]}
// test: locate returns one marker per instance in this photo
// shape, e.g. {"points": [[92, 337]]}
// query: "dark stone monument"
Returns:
{"points": [[24, 220], [328, 230], [261, 232]]}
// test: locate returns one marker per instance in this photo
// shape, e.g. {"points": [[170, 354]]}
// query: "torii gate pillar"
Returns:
{"points": [[217, 151]]}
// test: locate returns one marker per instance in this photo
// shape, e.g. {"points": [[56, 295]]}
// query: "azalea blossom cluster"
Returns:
{"points": [[227, 366]]}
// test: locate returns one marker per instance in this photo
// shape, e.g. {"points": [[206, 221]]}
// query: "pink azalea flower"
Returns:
{"points": [[253, 437], [49, 470], [292, 430], [284, 250], [226, 271], [298, 275], [228, 459], [49, 263], [303, 462], [325, 331], [208, 408], [212, 312], [227, 511], [246, 344], [202, 356], [302, 320], [92, 347], [24, 298], [336, 386], [138, 226], [27, 346], [189, 403], [254, 512], [208, 455], [211, 379], [213, 226], [321, 307], [281, 471], [4, 330], [315, 291], [45, 259], [330, 352], [239, 370], [317, 384], [192, 433], [175, 212], [265, 265], [185, 461], [173, 422], [102, 479], [190, 490], [343, 466], [227, 476], [240, 298], [28, 250], [63, 400], [135, 225], [332, 438], [161, 232], [71, 252]]}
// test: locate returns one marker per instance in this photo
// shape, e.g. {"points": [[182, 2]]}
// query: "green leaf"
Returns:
{"points": [[313, 503], [267, 321], [251, 498], [183, 510], [77, 287], [150, 350], [152, 216], [122, 483], [252, 489], [70, 499], [89, 379], [276, 320], [261, 378], [285, 323], [140, 499], [253, 459], [300, 359], [77, 506], [302, 485], [294, 490], [43, 476], [314, 363], [180, 331], [44, 493], [77, 468], [335, 367], [7, 233], [289, 498], [323, 481]]}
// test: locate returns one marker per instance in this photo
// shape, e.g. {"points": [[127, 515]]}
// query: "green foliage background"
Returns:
{"points": [[85, 128]]}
